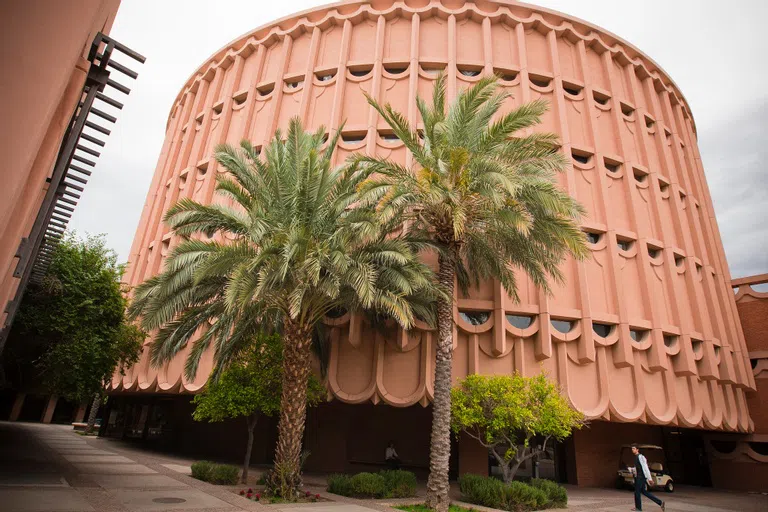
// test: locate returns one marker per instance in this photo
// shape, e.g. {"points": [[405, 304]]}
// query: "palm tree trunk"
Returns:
{"points": [[251, 420], [285, 478], [440, 449], [94, 412]]}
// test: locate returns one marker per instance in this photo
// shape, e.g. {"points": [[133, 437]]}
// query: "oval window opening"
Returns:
{"points": [[670, 341], [571, 89], [353, 137], [361, 71], [468, 71], [475, 317], [696, 346], [612, 166], [602, 330], [626, 109], [505, 75], [624, 244], [265, 90], [601, 98], [540, 81], [582, 158], [395, 69], [593, 238], [389, 136], [679, 260], [563, 326], [637, 334], [654, 252], [640, 176], [520, 321], [325, 76]]}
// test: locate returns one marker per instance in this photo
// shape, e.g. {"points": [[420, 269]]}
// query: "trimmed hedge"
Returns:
{"points": [[515, 496], [385, 484], [222, 474]]}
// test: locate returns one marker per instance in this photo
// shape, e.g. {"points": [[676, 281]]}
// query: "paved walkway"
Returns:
{"points": [[49, 468]]}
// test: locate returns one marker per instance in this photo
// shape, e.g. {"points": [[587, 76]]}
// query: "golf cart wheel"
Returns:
{"points": [[670, 487]]}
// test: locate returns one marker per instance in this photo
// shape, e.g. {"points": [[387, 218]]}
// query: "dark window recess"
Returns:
{"points": [[601, 98], [353, 137], [336, 313], [571, 89], [295, 84], [326, 75], [389, 137], [540, 81], [679, 260], [362, 71], [469, 71], [505, 74], [395, 69], [669, 340], [649, 123], [582, 158], [723, 446], [611, 166], [696, 346], [240, 98], [593, 238], [218, 108], [640, 176], [624, 245], [717, 350], [520, 321], [654, 252], [753, 363], [759, 447], [264, 90], [563, 326], [663, 187], [637, 334], [602, 330], [475, 317], [627, 110]]}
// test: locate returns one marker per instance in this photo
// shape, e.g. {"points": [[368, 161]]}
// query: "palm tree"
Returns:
{"points": [[488, 200], [296, 245]]}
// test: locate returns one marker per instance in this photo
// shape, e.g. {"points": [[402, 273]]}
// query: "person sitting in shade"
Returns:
{"points": [[391, 457]]}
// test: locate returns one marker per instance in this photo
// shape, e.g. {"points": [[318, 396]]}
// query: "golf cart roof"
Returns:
{"points": [[644, 446]]}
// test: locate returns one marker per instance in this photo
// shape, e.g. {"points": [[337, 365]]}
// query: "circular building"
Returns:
{"points": [[644, 332]]}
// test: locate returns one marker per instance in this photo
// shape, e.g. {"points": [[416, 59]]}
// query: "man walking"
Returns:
{"points": [[642, 480]]}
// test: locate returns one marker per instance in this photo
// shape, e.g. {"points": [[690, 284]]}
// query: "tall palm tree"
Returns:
{"points": [[296, 245], [486, 195]]}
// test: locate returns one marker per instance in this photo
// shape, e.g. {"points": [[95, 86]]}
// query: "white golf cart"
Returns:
{"points": [[656, 463]]}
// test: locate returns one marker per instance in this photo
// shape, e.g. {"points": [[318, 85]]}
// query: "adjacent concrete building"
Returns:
{"points": [[644, 337]]}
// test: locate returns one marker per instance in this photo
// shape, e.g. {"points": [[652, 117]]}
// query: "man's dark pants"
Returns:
{"points": [[641, 488]]}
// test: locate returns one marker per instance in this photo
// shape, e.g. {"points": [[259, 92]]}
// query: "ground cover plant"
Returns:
{"points": [[514, 496], [220, 474]]}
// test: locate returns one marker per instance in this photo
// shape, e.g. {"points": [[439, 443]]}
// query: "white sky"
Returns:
{"points": [[715, 51]]}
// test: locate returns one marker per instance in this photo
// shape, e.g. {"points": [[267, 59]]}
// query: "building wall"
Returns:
{"points": [[741, 462], [657, 280], [45, 45]]}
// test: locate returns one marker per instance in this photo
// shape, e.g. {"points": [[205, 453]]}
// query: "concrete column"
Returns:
{"points": [[473, 457], [49, 408], [17, 405], [80, 414]]}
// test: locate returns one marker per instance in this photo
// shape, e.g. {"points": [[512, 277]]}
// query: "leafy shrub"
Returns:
{"points": [[488, 492], [556, 494], [224, 474], [202, 470], [399, 483], [515, 496], [340, 484], [368, 485], [386, 484], [521, 496]]}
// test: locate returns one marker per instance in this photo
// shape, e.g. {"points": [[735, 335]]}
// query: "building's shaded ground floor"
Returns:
{"points": [[347, 438]]}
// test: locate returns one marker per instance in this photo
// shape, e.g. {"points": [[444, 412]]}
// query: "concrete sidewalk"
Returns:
{"points": [[49, 468]]}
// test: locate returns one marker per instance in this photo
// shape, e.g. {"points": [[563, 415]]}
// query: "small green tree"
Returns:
{"points": [[74, 323], [513, 416], [250, 387]]}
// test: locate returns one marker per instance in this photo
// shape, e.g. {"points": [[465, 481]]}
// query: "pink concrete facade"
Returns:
{"points": [[44, 61], [645, 330]]}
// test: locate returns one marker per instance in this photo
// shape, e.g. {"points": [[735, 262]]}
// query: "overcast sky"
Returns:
{"points": [[715, 51]]}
